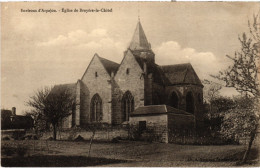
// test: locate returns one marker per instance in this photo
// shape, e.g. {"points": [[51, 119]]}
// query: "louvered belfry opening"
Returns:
{"points": [[127, 105], [96, 108]]}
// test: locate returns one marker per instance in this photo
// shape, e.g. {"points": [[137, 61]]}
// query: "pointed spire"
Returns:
{"points": [[139, 40]]}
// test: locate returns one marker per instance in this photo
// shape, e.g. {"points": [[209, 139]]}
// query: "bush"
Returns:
{"points": [[50, 139], [17, 135], [9, 151], [6, 138], [79, 138], [22, 150], [35, 137], [115, 140]]}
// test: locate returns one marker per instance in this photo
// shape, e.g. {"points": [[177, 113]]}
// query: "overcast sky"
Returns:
{"points": [[44, 49]]}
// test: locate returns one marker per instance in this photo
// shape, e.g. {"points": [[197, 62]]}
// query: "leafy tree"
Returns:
{"points": [[53, 105], [243, 118]]}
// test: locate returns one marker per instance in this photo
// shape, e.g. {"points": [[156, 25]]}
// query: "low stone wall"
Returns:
{"points": [[13, 133], [104, 135]]}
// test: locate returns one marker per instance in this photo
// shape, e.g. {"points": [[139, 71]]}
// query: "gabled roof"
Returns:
{"points": [[58, 88], [157, 109], [158, 75], [139, 40], [110, 66], [181, 74]]}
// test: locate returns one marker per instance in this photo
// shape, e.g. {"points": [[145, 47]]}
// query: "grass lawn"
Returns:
{"points": [[126, 153]]}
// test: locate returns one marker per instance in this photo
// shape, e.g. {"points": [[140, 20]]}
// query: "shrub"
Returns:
{"points": [[50, 139], [17, 135], [22, 150], [115, 140], [6, 138], [79, 138], [9, 151], [35, 137]]}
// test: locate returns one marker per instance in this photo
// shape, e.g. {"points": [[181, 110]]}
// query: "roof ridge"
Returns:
{"points": [[107, 60], [139, 40]]}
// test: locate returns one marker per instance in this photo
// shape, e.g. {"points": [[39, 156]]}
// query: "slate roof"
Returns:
{"points": [[181, 74], [110, 66], [71, 87], [139, 40], [157, 109], [158, 75]]}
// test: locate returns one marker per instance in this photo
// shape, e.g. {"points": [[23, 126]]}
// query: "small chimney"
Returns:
{"points": [[13, 111]]}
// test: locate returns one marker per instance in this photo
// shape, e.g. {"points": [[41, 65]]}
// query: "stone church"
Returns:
{"points": [[136, 89]]}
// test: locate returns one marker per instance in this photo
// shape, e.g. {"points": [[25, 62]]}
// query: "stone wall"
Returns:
{"points": [[132, 81], [103, 135], [182, 90], [97, 81], [156, 127]]}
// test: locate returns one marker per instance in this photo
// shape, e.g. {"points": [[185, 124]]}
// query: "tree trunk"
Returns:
{"points": [[54, 131], [252, 137], [90, 144]]}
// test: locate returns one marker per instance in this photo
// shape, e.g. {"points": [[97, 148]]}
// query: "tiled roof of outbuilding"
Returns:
{"points": [[157, 109]]}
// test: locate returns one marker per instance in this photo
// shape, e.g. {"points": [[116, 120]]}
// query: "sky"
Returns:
{"points": [[41, 49]]}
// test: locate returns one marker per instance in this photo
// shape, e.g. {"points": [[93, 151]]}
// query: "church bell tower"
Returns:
{"points": [[140, 46]]}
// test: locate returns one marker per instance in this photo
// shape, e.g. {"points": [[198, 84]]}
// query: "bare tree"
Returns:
{"points": [[211, 90], [243, 76], [53, 105]]}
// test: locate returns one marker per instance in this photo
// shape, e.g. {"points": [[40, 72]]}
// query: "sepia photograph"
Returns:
{"points": [[130, 84]]}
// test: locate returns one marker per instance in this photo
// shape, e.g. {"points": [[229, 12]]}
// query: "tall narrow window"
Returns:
{"points": [[96, 74], [127, 71], [189, 103], [174, 100], [127, 105], [96, 108]]}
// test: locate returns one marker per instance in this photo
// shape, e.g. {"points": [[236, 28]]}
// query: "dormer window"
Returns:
{"points": [[127, 71], [96, 74]]}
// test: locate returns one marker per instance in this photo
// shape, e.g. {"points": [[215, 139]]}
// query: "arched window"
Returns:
{"points": [[128, 105], [174, 100], [189, 103], [96, 108]]}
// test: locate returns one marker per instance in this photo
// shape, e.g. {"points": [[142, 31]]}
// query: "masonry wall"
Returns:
{"points": [[133, 82], [93, 84], [76, 116], [182, 91], [156, 127], [158, 91]]}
